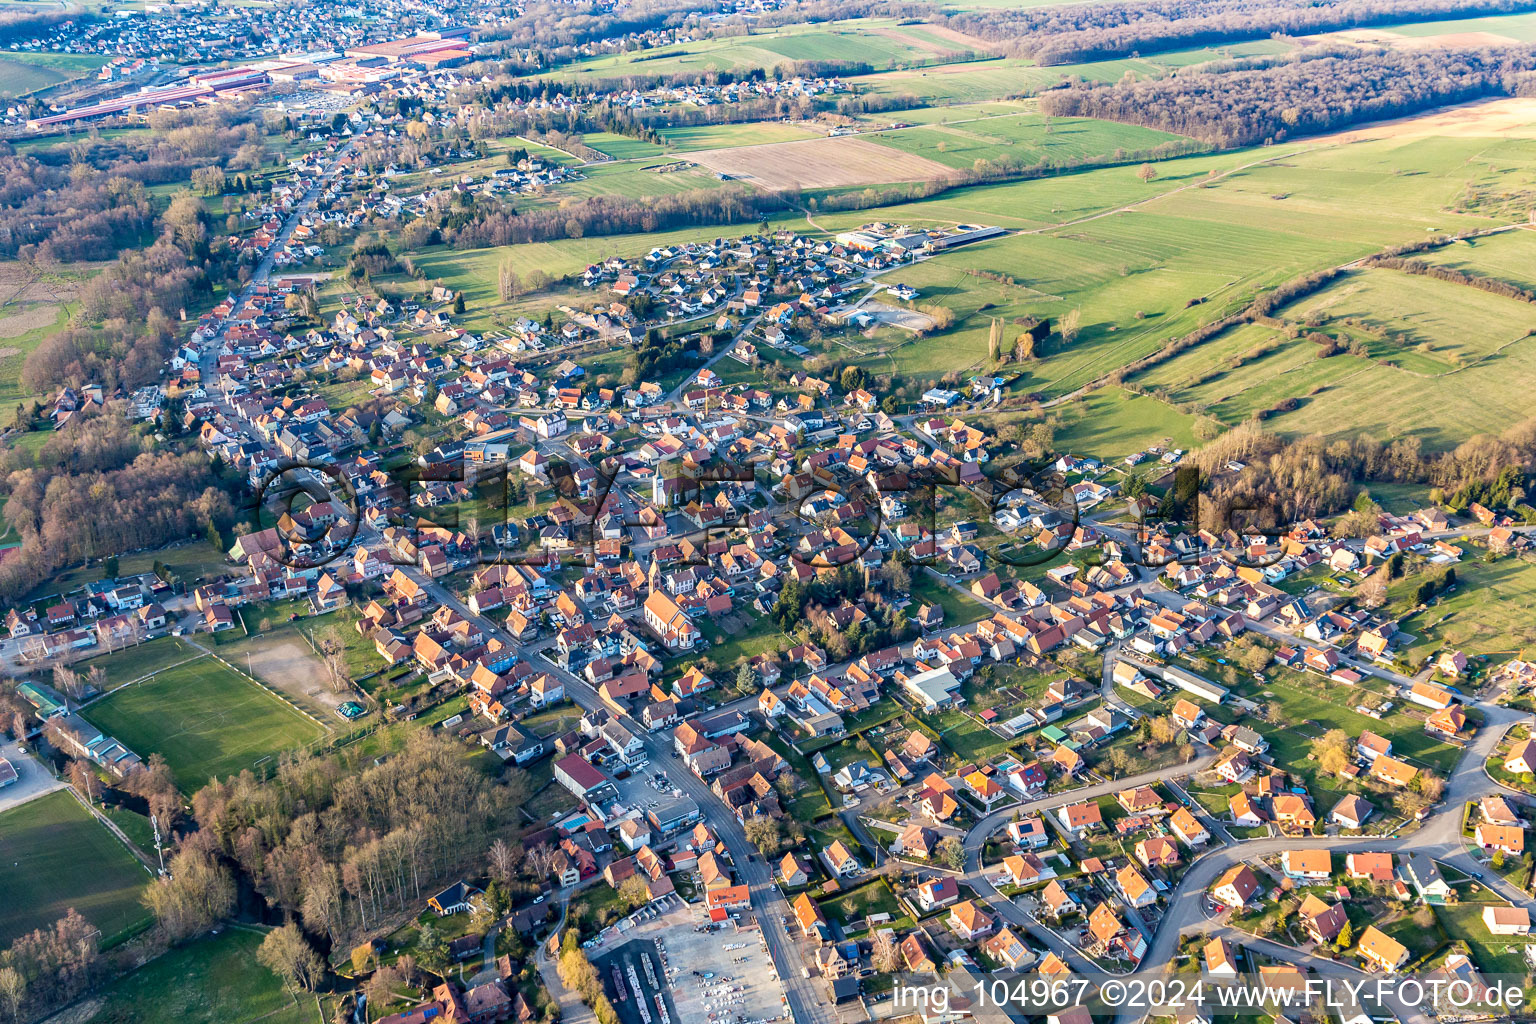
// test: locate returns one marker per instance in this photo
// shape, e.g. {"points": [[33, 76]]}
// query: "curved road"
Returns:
{"points": [[1439, 837]]}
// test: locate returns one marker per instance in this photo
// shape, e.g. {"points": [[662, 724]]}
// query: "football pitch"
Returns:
{"points": [[206, 720], [53, 856]]}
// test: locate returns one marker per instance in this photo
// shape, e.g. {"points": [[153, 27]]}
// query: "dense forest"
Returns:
{"points": [[347, 845], [1286, 482], [1070, 33], [96, 488], [87, 199], [127, 321], [1248, 107]]}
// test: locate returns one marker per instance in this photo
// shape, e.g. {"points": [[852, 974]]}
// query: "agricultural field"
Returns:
{"points": [[1005, 77], [1506, 28], [213, 980], [633, 179], [1026, 137], [23, 73], [33, 307], [1416, 332], [952, 112], [1508, 256], [1448, 325], [820, 163], [622, 147], [688, 138], [38, 885], [1202, 235], [206, 720], [881, 43]]}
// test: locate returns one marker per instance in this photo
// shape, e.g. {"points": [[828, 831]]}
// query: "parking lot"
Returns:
{"points": [[635, 975], [32, 779], [719, 974]]}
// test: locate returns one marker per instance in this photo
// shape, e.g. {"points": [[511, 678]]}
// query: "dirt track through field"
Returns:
{"points": [[820, 163]]}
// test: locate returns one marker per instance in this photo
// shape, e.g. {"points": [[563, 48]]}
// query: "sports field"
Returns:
{"points": [[213, 980], [205, 719], [135, 662], [54, 856]]}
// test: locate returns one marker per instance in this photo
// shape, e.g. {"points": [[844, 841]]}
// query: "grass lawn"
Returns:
{"points": [[1493, 954], [1508, 257], [135, 826], [215, 980], [729, 648], [1306, 698], [851, 908], [1491, 611], [1111, 423], [1419, 939], [205, 719], [966, 737], [16, 348], [47, 844], [958, 608], [1449, 323], [192, 562], [811, 802]]}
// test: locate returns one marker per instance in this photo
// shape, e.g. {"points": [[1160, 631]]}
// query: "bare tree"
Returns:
{"points": [[287, 953], [503, 861], [540, 861], [884, 956]]}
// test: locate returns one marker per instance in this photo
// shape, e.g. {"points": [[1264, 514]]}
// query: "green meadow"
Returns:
{"points": [[880, 43], [22, 73], [1027, 137]]}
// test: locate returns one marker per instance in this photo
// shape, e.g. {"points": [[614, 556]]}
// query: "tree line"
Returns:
{"points": [[1070, 33], [1287, 481], [1449, 274], [1248, 107]]}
